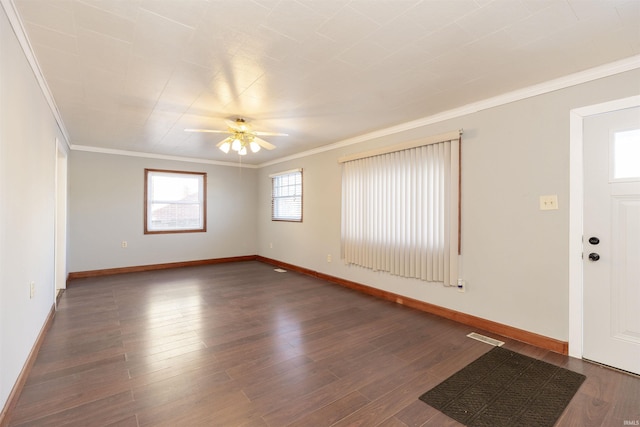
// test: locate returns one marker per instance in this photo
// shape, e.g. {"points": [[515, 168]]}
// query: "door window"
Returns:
{"points": [[626, 155]]}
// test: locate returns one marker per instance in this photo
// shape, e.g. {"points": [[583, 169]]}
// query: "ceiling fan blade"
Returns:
{"points": [[207, 130], [264, 144], [238, 125], [232, 124], [270, 134]]}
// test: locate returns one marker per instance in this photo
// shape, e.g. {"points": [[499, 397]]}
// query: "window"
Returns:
{"points": [[626, 155], [400, 209], [174, 202], [286, 196]]}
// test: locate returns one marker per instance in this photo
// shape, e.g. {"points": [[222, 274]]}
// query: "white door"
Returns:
{"points": [[612, 239]]}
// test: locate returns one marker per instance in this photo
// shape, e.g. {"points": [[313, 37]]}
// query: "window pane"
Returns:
{"points": [[174, 188], [175, 216], [626, 154]]}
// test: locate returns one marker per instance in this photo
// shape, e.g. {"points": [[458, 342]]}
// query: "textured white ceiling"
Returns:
{"points": [[133, 74]]}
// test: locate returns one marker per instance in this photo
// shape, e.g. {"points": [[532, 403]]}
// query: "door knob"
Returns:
{"points": [[594, 256], [594, 240]]}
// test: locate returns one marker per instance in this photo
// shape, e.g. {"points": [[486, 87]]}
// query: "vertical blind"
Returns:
{"points": [[400, 210]]}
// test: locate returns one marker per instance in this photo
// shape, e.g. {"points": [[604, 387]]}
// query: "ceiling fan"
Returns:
{"points": [[242, 136]]}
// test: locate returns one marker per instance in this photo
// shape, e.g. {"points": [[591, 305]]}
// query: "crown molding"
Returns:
{"points": [[128, 153], [610, 69], [20, 33]]}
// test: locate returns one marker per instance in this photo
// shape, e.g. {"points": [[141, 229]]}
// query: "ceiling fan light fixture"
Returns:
{"points": [[241, 138], [236, 145], [225, 147]]}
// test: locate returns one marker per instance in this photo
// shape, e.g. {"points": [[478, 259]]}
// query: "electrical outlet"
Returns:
{"points": [[329, 258], [32, 289], [271, 245], [124, 244], [462, 286], [549, 203]]}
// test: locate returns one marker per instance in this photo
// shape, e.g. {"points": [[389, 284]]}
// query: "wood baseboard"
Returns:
{"points": [[12, 400], [532, 338], [152, 267]]}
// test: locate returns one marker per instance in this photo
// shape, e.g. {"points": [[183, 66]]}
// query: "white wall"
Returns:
{"points": [[106, 207], [28, 135], [515, 257]]}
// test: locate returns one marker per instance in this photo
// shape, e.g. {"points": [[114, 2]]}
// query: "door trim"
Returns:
{"points": [[576, 208], [60, 220]]}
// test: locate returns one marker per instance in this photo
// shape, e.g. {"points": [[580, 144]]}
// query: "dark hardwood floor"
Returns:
{"points": [[241, 345]]}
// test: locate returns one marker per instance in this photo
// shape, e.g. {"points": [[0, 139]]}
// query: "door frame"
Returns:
{"points": [[60, 220], [576, 210]]}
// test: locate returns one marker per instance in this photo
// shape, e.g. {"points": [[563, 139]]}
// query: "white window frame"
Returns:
{"points": [[287, 207], [149, 201]]}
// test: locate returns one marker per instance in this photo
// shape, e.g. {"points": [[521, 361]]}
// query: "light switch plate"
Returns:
{"points": [[549, 203]]}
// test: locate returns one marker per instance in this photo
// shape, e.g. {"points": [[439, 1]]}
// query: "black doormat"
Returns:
{"points": [[505, 388]]}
